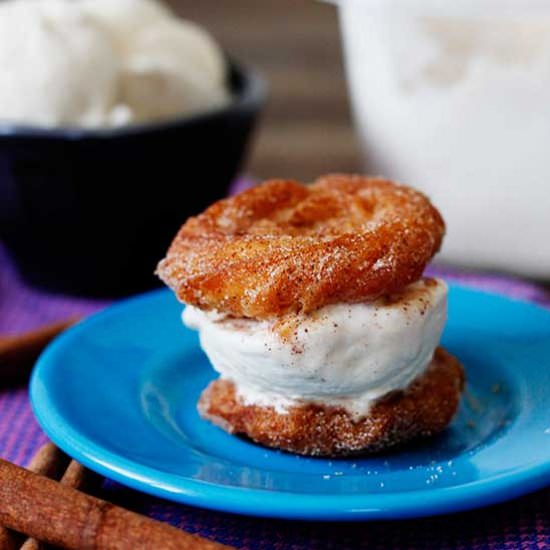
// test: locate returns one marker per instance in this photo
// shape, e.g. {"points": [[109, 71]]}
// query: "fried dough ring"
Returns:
{"points": [[283, 248], [425, 408]]}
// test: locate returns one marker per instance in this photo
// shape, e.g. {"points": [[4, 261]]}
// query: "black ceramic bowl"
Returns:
{"points": [[92, 211]]}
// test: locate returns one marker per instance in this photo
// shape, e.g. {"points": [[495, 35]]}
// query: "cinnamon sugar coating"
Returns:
{"points": [[283, 248], [425, 408]]}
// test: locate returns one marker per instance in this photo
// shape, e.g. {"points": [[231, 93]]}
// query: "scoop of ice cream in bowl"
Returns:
{"points": [[116, 118]]}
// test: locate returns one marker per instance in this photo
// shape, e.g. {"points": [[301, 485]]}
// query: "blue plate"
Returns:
{"points": [[118, 392]]}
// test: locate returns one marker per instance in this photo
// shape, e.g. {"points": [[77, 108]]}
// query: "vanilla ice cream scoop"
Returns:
{"points": [[57, 67], [125, 18], [158, 81], [346, 355], [97, 63]]}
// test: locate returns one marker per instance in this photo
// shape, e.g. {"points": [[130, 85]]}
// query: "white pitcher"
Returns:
{"points": [[453, 97]]}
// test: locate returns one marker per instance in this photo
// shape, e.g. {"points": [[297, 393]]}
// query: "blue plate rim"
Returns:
{"points": [[252, 502]]}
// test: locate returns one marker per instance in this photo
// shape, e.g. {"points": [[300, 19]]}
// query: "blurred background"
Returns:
{"points": [[447, 98], [118, 120], [306, 129], [53, 183]]}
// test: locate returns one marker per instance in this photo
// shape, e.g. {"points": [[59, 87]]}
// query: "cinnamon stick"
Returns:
{"points": [[48, 461], [19, 353], [61, 516], [76, 477]]}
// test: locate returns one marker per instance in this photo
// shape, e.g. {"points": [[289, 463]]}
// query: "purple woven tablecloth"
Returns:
{"points": [[521, 524]]}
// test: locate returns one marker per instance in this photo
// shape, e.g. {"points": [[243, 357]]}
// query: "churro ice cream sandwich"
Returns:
{"points": [[311, 304]]}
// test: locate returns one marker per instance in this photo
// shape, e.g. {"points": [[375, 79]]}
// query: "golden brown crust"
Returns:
{"points": [[425, 408], [285, 248]]}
